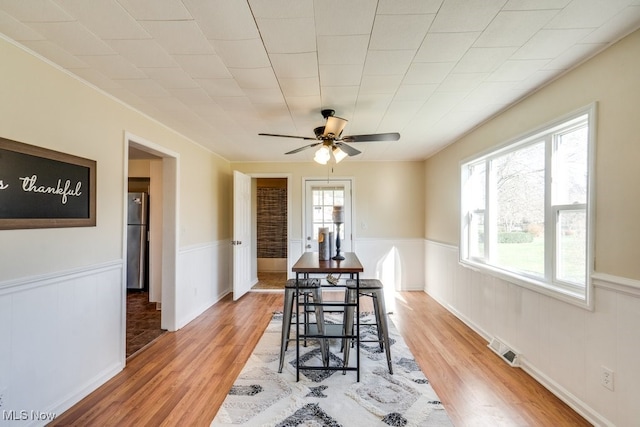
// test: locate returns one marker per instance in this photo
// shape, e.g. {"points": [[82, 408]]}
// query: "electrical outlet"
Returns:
{"points": [[606, 378]]}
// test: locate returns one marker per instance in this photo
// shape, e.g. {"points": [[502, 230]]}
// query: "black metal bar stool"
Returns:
{"points": [[309, 288], [372, 288]]}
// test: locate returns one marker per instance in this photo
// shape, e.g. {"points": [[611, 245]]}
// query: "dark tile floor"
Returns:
{"points": [[143, 321]]}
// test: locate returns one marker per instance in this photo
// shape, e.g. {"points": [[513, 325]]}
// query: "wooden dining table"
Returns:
{"points": [[310, 264]]}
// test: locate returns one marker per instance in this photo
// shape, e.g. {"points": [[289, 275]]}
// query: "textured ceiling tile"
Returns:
{"points": [[338, 17], [380, 84], [535, 4], [339, 98], [255, 78], [388, 62], [307, 108], [548, 44], [399, 114], [264, 95], [17, 30], [106, 18], [156, 10], [483, 59], [624, 22], [342, 50], [587, 13], [426, 73], [144, 88], [191, 96], [221, 87], [494, 92], [576, 53], [399, 31], [457, 16], [462, 82], [95, 78], [445, 47], [224, 19], [101, 39], [170, 78], [55, 54], [35, 11], [143, 53], [390, 7], [282, 9], [341, 75], [113, 66], [242, 53], [300, 87], [293, 35], [179, 37], [292, 65], [75, 38], [414, 92], [514, 28], [516, 71], [203, 66]]}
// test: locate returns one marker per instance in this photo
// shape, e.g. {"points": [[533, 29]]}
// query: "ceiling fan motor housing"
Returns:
{"points": [[328, 113]]}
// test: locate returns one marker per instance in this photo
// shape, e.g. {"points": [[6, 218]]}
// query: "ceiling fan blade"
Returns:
{"points": [[334, 126], [372, 137], [287, 136], [347, 149], [297, 150]]}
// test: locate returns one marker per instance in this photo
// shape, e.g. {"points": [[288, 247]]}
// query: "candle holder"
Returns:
{"points": [[338, 220], [338, 257]]}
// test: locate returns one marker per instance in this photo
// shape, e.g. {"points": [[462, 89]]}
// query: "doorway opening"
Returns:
{"points": [[143, 314], [271, 232], [275, 265], [151, 172]]}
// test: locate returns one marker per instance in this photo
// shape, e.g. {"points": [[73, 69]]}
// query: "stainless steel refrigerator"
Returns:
{"points": [[137, 240]]}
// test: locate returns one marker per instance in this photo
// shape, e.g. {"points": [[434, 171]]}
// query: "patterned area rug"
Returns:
{"points": [[263, 397]]}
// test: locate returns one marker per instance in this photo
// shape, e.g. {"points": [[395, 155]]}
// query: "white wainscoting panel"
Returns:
{"points": [[204, 277], [62, 336], [398, 263], [563, 346]]}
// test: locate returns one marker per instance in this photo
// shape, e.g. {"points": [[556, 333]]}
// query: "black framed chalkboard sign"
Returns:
{"points": [[41, 188]]}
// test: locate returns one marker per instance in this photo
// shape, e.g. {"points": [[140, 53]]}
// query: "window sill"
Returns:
{"points": [[580, 299]]}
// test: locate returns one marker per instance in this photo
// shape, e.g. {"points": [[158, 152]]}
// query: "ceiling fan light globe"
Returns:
{"points": [[322, 155], [339, 155]]}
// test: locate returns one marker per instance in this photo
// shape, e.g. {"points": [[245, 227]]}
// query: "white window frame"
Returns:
{"points": [[578, 295], [311, 241]]}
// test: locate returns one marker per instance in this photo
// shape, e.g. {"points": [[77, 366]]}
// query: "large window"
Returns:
{"points": [[526, 209]]}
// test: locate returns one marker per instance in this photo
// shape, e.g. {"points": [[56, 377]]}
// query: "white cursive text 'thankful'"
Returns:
{"points": [[29, 184], [3, 186]]}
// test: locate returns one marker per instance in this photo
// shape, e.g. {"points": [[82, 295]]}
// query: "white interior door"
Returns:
{"points": [[320, 197], [241, 234]]}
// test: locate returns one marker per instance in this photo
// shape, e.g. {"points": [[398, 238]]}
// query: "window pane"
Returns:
{"points": [[571, 246], [324, 198], [519, 182], [477, 186], [570, 167]]}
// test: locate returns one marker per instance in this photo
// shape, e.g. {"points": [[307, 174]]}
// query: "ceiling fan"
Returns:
{"points": [[331, 142]]}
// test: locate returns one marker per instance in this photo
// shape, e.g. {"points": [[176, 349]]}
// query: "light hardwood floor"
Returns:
{"points": [[183, 377]]}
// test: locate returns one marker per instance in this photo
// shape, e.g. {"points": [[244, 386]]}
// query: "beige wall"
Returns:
{"points": [[610, 79], [388, 196], [45, 107]]}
